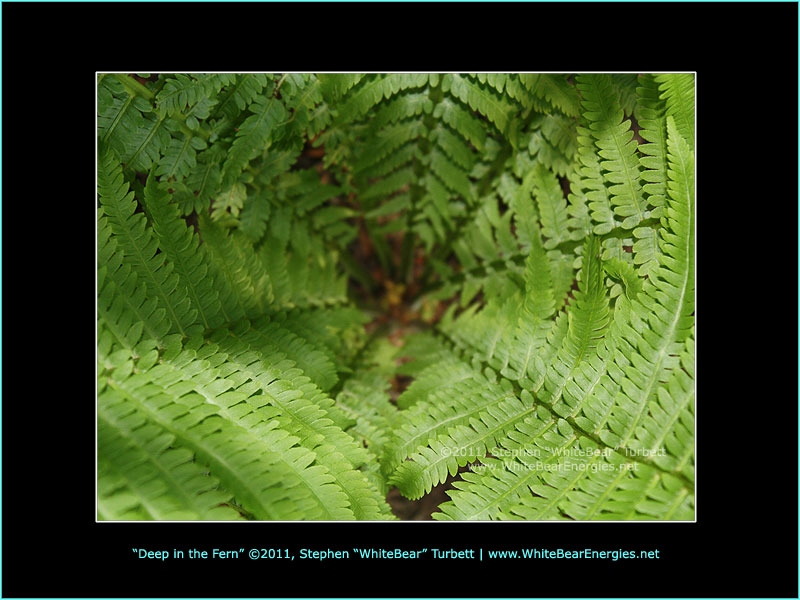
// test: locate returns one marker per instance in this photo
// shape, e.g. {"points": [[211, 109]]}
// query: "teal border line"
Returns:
{"points": [[1, 301]]}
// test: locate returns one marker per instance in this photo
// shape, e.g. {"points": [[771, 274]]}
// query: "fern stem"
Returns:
{"points": [[133, 87], [280, 81]]}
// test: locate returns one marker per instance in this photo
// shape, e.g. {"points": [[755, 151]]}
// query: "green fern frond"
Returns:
{"points": [[239, 94], [667, 432], [597, 193], [254, 217], [181, 246], [387, 141], [462, 444], [552, 206], [451, 175], [492, 106], [647, 252], [587, 320], [288, 388], [534, 481], [507, 481], [625, 85], [253, 136], [303, 98], [677, 90], [653, 131], [561, 133], [443, 373], [488, 334], [180, 157], [539, 302], [273, 479], [445, 408], [623, 272], [365, 401], [555, 89], [181, 92], [334, 86], [198, 188], [370, 92], [614, 140], [239, 276], [651, 328], [318, 290], [401, 107], [461, 121], [128, 126], [123, 304], [140, 247], [142, 477], [335, 331]]}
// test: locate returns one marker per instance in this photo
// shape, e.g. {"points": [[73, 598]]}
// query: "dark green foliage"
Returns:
{"points": [[532, 236]]}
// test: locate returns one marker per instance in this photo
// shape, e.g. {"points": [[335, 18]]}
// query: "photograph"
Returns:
{"points": [[395, 297]]}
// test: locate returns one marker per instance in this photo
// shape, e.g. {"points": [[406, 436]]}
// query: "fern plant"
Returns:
{"points": [[314, 289]]}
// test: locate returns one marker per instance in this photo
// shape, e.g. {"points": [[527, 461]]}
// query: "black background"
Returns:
{"points": [[744, 543]]}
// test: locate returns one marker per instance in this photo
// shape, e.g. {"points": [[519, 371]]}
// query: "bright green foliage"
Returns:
{"points": [[541, 225], [194, 398]]}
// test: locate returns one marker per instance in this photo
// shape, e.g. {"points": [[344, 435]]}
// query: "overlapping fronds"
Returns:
{"points": [[139, 247], [202, 413], [616, 148], [592, 414], [527, 238]]}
